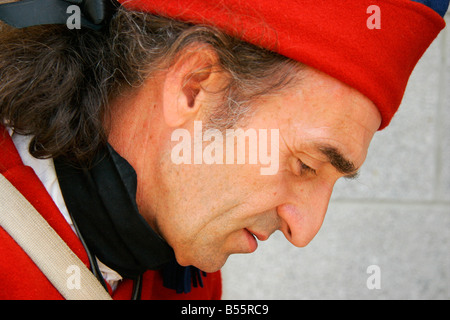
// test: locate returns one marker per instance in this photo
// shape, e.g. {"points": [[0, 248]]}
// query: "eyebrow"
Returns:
{"points": [[338, 160]]}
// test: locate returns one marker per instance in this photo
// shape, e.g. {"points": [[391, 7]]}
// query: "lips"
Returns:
{"points": [[251, 237], [251, 240], [259, 236]]}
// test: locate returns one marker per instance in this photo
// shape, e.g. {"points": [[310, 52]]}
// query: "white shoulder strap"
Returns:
{"points": [[45, 247]]}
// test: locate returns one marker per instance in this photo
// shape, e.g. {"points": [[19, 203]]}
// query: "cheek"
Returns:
{"points": [[190, 198], [202, 209]]}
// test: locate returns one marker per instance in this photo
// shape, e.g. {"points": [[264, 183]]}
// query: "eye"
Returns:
{"points": [[303, 168]]}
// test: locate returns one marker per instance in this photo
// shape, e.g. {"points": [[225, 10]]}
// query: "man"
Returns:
{"points": [[164, 136]]}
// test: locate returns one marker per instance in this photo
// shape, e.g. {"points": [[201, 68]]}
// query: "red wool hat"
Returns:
{"points": [[373, 49]]}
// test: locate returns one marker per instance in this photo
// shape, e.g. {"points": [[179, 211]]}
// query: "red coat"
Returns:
{"points": [[21, 279]]}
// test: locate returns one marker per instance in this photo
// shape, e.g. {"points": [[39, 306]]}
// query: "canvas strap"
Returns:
{"points": [[45, 247]]}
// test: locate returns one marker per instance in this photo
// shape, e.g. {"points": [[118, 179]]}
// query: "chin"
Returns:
{"points": [[207, 264]]}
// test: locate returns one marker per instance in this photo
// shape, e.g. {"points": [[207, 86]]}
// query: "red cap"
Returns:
{"points": [[333, 36]]}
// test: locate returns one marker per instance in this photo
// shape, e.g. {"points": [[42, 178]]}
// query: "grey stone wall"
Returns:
{"points": [[395, 217]]}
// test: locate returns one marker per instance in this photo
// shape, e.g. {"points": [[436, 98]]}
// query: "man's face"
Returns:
{"points": [[208, 211]]}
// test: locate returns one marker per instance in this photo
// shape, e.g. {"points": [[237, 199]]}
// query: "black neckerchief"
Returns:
{"points": [[102, 202]]}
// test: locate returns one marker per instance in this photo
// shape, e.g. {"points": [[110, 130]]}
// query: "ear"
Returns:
{"points": [[187, 83]]}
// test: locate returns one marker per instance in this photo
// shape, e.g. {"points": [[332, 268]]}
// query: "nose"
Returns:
{"points": [[302, 219]]}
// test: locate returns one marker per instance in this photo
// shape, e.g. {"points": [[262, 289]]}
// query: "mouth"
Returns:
{"points": [[259, 236], [252, 238]]}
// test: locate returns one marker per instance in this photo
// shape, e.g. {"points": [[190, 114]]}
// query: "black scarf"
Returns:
{"points": [[102, 203]]}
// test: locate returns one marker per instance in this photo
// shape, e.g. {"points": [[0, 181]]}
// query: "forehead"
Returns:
{"points": [[321, 109]]}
